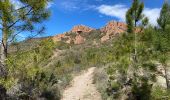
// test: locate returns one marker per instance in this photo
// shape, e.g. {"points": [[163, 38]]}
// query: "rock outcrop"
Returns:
{"points": [[113, 28], [76, 30], [59, 37], [81, 28], [79, 39], [109, 31]]}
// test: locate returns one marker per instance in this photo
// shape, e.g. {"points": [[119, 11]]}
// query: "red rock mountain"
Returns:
{"points": [[81, 34], [112, 29], [77, 38], [81, 28]]}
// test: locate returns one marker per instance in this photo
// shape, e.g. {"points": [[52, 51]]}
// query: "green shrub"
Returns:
{"points": [[142, 90], [159, 93], [62, 45], [101, 81], [115, 86]]}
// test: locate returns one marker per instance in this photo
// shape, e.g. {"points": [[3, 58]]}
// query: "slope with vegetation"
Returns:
{"points": [[132, 59]]}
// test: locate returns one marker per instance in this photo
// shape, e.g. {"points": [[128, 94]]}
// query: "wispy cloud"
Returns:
{"points": [[78, 5], [119, 11], [69, 5], [152, 14]]}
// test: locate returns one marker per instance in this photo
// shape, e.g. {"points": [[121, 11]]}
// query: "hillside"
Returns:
{"points": [[63, 56], [79, 34], [127, 60]]}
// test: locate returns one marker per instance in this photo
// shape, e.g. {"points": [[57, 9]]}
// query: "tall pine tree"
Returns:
{"points": [[15, 19], [164, 19], [134, 15], [162, 43]]}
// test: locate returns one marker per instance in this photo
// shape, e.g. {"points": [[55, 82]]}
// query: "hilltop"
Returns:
{"points": [[80, 33]]}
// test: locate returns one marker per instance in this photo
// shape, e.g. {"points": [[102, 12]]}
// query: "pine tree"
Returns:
{"points": [[134, 15], [134, 18], [129, 21], [163, 39], [164, 19], [15, 19]]}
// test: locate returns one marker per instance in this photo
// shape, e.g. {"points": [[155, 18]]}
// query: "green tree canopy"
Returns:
{"points": [[164, 19], [16, 18], [134, 15]]}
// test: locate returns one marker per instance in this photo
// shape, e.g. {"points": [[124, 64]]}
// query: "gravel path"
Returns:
{"points": [[82, 88]]}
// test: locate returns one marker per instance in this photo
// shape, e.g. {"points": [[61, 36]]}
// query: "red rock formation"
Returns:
{"points": [[68, 39], [113, 28], [81, 28], [79, 39], [58, 37]]}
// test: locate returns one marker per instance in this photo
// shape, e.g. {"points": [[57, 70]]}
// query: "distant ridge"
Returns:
{"points": [[79, 34], [112, 28]]}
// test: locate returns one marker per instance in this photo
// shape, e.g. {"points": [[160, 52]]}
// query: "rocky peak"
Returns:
{"points": [[81, 28], [113, 28]]}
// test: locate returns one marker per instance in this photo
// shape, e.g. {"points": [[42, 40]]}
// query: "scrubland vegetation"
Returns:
{"points": [[127, 64]]}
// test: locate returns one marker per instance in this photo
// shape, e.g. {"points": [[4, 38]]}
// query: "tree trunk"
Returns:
{"points": [[166, 77], [3, 56]]}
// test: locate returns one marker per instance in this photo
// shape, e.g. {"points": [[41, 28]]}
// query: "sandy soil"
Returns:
{"points": [[82, 88]]}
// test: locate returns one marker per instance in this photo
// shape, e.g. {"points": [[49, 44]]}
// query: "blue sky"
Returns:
{"points": [[93, 13]]}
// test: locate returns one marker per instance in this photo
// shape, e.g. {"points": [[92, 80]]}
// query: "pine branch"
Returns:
{"points": [[19, 19], [13, 37], [22, 8]]}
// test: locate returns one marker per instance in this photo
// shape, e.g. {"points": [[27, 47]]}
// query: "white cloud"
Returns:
{"points": [[152, 14], [119, 11], [77, 5], [69, 5]]}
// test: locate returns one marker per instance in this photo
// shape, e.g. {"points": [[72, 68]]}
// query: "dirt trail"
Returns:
{"points": [[82, 88]]}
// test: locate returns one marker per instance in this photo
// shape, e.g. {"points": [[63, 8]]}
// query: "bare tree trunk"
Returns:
{"points": [[3, 56], [166, 76], [135, 55]]}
